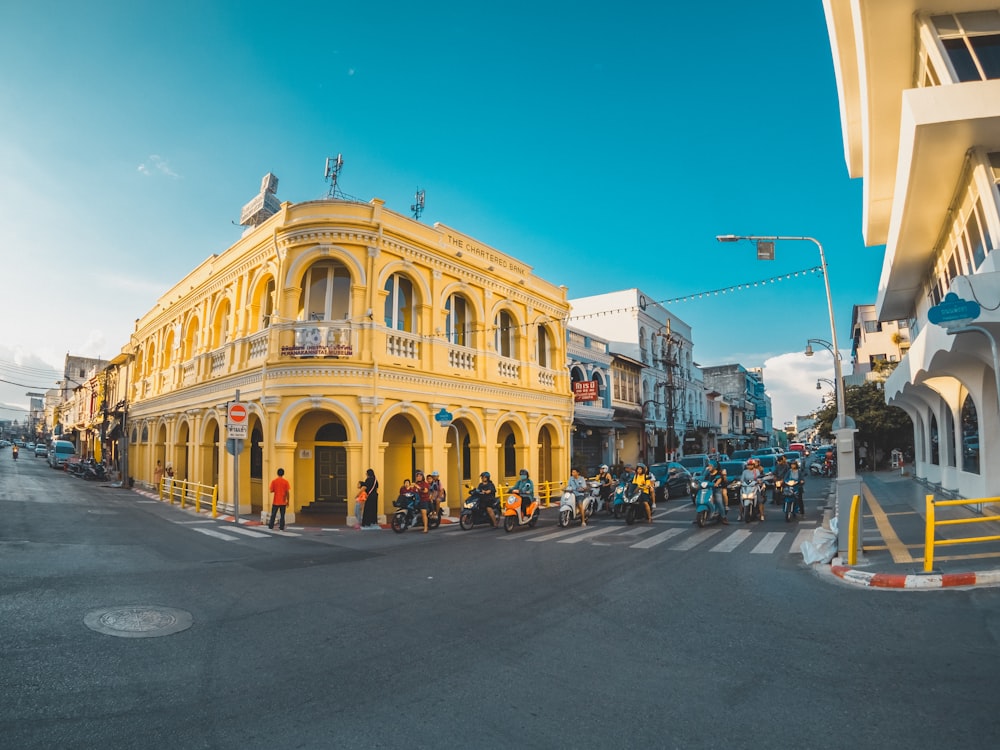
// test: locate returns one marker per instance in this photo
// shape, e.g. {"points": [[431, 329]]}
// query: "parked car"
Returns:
{"points": [[41, 451], [794, 456], [673, 480], [742, 455], [62, 451], [695, 463]]}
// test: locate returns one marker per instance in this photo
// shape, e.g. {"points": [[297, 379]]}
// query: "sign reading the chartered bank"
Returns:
{"points": [[585, 390], [953, 311]]}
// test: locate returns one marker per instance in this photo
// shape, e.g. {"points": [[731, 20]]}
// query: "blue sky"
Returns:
{"points": [[604, 144]]}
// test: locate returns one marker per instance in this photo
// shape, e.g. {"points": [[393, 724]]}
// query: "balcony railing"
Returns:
{"points": [[402, 344]]}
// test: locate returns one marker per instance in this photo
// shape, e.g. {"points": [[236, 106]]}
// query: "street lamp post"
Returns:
{"points": [[848, 484]]}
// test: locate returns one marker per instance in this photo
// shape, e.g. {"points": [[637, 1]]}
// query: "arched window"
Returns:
{"points": [[331, 432], [457, 322], [326, 294], [509, 457], [400, 306], [543, 346], [267, 304], [970, 436], [220, 329], [190, 340], [506, 334]]}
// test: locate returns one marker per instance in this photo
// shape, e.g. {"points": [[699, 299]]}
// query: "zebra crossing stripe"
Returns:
{"points": [[657, 539], [799, 538], [769, 543], [216, 534], [695, 539], [732, 541], [248, 532], [588, 535]]}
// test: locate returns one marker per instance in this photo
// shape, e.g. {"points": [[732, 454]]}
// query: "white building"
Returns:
{"points": [[876, 346], [919, 87], [672, 395]]}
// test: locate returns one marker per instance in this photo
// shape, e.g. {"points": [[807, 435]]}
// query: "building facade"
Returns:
{"points": [[595, 431], [749, 407], [876, 347], [356, 338], [673, 418], [919, 89]]}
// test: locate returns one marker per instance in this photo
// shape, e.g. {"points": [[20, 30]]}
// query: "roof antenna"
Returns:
{"points": [[333, 167], [418, 207]]}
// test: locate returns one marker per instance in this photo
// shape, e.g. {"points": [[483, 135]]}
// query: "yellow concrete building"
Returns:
{"points": [[352, 333]]}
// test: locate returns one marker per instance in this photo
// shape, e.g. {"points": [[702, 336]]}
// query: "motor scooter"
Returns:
{"points": [[408, 514], [706, 514], [568, 511], [519, 511], [474, 511], [751, 497], [793, 502]]}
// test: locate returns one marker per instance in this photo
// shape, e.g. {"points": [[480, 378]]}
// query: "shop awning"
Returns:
{"points": [[599, 424]]}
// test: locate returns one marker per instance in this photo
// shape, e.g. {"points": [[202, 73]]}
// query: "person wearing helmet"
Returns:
{"points": [[437, 491], [606, 486], [526, 488], [643, 481], [486, 491], [716, 477], [752, 473]]}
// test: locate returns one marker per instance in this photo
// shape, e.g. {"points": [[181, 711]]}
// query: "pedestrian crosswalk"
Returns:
{"points": [[673, 530], [232, 532]]}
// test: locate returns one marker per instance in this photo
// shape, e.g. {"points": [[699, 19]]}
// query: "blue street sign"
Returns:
{"points": [[953, 308], [444, 416]]}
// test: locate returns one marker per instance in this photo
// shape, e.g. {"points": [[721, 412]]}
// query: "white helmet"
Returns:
{"points": [[604, 468]]}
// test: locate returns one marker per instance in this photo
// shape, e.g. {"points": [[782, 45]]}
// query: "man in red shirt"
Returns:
{"points": [[280, 488]]}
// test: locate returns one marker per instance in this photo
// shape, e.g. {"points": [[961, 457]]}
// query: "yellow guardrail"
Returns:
{"points": [[190, 492], [932, 523], [544, 491]]}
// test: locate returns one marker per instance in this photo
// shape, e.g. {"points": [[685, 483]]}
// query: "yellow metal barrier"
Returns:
{"points": [[190, 492], [852, 531], [933, 523]]}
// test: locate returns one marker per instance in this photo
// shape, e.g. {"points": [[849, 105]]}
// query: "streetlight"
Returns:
{"points": [[843, 426]]}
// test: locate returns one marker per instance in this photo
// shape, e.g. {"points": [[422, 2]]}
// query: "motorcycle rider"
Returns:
{"points": [[780, 473], [717, 479], [486, 493], [607, 485], [526, 489], [578, 486], [643, 480], [13, 451], [752, 473], [799, 477], [423, 489], [437, 491]]}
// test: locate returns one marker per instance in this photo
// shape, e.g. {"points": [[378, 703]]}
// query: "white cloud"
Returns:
{"points": [[158, 164], [790, 380]]}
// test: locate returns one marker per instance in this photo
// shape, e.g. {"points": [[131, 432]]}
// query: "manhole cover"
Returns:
{"points": [[138, 622]]}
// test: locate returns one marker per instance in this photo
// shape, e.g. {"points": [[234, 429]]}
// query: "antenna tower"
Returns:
{"points": [[418, 207], [333, 167]]}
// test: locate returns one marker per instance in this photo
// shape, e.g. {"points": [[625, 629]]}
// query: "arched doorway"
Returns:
{"points": [[401, 457]]}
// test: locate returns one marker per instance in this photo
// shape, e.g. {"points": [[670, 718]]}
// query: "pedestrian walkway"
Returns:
{"points": [[893, 538]]}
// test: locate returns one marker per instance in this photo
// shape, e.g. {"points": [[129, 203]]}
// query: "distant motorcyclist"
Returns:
{"points": [[643, 481], [526, 488], [781, 469], [799, 477], [717, 479], [13, 451], [578, 486], [753, 473], [606, 483]]}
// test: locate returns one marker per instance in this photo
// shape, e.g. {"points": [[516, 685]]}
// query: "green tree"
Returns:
{"points": [[881, 426]]}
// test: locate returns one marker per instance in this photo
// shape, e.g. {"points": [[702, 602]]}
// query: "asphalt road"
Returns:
{"points": [[539, 638]]}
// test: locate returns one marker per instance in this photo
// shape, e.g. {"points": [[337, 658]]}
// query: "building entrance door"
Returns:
{"points": [[331, 473]]}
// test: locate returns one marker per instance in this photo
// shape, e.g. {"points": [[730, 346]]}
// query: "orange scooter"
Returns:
{"points": [[514, 514]]}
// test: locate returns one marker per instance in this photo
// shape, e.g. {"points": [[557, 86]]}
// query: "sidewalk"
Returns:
{"points": [[893, 538]]}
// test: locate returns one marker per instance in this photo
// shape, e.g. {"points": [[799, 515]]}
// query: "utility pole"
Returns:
{"points": [[670, 364]]}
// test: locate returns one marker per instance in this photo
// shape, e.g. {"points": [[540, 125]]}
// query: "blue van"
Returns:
{"points": [[61, 452]]}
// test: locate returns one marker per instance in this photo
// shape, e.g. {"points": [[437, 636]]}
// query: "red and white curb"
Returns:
{"points": [[915, 581]]}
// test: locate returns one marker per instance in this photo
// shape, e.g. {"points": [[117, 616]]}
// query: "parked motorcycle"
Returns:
{"points": [[751, 497], [792, 500], [706, 514], [408, 514], [519, 511], [95, 472], [568, 511], [474, 511]]}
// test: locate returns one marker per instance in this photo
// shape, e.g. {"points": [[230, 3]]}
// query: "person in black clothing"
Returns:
{"points": [[369, 519], [486, 493]]}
